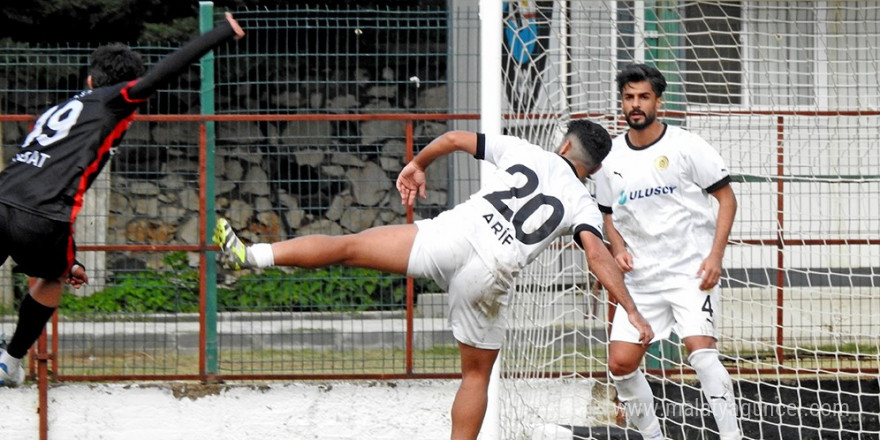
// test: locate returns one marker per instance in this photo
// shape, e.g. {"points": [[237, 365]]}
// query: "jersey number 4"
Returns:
{"points": [[707, 306], [551, 222], [57, 120]]}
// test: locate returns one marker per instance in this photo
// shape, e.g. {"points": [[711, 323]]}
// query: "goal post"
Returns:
{"points": [[490, 123], [788, 93]]}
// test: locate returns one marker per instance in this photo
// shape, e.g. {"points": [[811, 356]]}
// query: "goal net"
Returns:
{"points": [[788, 92]]}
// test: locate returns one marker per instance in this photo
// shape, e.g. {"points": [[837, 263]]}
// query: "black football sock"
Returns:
{"points": [[32, 318]]}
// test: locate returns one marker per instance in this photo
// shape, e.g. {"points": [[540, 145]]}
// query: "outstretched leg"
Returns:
{"points": [[469, 406], [384, 248]]}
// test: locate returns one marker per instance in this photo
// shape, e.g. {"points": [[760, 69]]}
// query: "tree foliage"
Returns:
{"points": [[93, 22]]}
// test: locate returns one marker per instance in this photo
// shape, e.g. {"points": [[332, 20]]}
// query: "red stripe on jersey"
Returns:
{"points": [[71, 252], [124, 93], [95, 166]]}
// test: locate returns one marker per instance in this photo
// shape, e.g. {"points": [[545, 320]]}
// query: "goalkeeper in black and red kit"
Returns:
{"points": [[41, 190]]}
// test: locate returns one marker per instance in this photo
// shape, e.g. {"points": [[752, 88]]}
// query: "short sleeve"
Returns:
{"points": [[603, 190], [586, 218], [707, 167], [496, 146]]}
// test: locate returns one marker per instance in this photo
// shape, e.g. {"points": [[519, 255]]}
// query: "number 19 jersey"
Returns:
{"points": [[63, 154]]}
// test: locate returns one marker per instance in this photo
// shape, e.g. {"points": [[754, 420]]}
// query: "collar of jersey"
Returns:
{"points": [[573, 169], [633, 147]]}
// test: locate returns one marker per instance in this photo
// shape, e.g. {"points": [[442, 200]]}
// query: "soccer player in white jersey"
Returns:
{"points": [[476, 249], [653, 190]]}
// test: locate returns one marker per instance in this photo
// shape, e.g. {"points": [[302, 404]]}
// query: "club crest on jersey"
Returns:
{"points": [[661, 163]]}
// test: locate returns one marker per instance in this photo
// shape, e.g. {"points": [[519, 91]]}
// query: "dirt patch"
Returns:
{"points": [[195, 391]]}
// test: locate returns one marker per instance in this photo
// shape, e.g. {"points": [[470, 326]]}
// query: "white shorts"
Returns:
{"points": [[477, 301], [685, 310]]}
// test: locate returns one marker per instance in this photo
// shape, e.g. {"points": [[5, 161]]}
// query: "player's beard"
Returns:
{"points": [[649, 119]]}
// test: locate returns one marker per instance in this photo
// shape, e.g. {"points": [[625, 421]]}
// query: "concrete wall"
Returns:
{"points": [[379, 410]]}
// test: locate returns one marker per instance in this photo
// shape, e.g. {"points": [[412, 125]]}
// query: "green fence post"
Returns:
{"points": [[664, 27], [206, 23]]}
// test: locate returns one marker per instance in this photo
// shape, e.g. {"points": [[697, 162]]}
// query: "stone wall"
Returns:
{"points": [[305, 178], [273, 179]]}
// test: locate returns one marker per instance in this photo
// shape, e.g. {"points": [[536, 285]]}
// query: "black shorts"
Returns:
{"points": [[41, 247]]}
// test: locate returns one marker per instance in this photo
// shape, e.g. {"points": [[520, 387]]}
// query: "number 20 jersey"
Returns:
{"points": [[67, 148], [533, 197]]}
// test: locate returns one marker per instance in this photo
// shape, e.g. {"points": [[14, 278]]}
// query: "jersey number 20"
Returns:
{"points": [[518, 218]]}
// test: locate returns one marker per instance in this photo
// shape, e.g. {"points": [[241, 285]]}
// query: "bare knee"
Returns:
{"points": [[622, 368], [47, 291], [694, 343], [624, 358]]}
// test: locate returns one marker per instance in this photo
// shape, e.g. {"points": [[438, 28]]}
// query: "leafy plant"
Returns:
{"points": [[172, 290], [175, 289], [333, 288]]}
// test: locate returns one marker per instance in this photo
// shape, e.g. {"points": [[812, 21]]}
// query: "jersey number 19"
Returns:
{"points": [[58, 120]]}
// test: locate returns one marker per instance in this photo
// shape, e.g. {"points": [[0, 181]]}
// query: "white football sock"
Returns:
{"points": [[261, 255], [635, 392], [718, 391]]}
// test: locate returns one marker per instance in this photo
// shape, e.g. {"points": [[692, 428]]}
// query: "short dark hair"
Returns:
{"points": [[593, 141], [114, 63], [641, 72]]}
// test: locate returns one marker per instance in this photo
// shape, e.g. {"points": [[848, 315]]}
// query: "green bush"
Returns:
{"points": [[333, 288], [175, 289]]}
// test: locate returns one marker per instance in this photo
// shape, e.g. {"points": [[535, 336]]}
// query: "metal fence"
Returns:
{"points": [[302, 129], [302, 126], [316, 111]]}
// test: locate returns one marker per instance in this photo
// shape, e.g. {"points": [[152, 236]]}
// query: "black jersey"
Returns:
{"points": [[67, 148], [71, 142]]}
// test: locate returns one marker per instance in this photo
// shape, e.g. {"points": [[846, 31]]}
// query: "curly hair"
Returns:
{"points": [[114, 63]]}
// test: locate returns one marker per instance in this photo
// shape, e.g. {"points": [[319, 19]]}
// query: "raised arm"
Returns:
{"points": [[411, 181], [170, 66]]}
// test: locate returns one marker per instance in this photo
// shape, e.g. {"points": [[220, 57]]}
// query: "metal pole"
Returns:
{"points": [[209, 324], [490, 123]]}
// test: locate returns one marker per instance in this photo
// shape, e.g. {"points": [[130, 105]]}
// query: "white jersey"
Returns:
{"points": [[533, 197], [658, 198]]}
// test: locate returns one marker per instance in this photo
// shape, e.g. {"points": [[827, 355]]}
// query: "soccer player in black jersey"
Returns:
{"points": [[41, 190]]}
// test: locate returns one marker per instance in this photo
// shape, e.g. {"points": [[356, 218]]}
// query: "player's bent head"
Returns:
{"points": [[634, 73], [114, 63], [590, 142]]}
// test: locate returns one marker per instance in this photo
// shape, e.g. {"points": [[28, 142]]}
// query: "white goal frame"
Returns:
{"points": [[803, 189]]}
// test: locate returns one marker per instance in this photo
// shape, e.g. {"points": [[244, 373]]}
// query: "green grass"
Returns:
{"points": [[440, 359]]}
